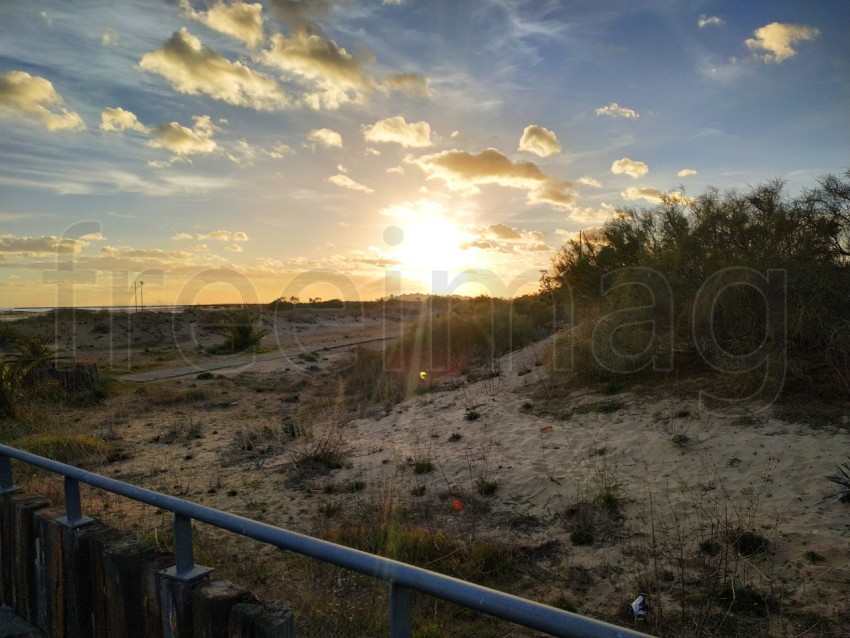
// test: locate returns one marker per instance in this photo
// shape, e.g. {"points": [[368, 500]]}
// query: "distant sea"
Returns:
{"points": [[17, 312]]}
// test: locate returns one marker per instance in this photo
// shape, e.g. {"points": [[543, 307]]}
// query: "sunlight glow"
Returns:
{"points": [[431, 241]]}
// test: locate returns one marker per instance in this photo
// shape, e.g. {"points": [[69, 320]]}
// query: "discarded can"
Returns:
{"points": [[639, 607]]}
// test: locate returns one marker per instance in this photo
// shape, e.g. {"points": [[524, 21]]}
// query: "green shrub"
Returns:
{"points": [[75, 449]]}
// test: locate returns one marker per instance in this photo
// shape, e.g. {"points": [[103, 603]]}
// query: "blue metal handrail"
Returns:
{"points": [[401, 577]]}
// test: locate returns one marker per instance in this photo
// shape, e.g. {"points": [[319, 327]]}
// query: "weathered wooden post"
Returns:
{"points": [[24, 555], [50, 616], [212, 603]]}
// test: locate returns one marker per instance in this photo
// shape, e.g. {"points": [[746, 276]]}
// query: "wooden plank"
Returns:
{"points": [[50, 602], [24, 558], [123, 570], [79, 577], [272, 620], [212, 603]]}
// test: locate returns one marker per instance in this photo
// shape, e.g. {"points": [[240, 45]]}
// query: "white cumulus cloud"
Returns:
{"points": [[324, 137], [192, 68], [774, 42], [538, 140], [33, 98], [615, 110], [632, 168], [710, 21], [345, 181], [116, 120], [396, 130], [686, 172]]}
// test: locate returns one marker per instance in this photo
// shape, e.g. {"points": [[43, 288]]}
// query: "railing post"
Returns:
{"points": [[184, 569], [399, 611], [7, 483], [73, 510]]}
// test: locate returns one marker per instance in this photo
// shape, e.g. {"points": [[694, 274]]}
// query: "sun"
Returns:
{"points": [[426, 240]]}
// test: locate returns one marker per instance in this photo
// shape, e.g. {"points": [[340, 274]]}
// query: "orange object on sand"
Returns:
{"points": [[547, 428], [457, 506]]}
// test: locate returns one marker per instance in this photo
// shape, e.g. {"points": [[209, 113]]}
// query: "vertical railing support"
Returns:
{"points": [[184, 568], [399, 611], [7, 483], [73, 510]]}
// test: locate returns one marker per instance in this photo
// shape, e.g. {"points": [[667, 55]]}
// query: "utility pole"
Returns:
{"points": [[142, 291], [136, 295]]}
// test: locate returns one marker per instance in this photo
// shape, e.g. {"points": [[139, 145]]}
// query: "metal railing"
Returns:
{"points": [[402, 578]]}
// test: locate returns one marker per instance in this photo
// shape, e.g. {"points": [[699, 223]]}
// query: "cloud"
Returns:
{"points": [[223, 235], [234, 248], [151, 253], [192, 68], [411, 84], [395, 170], [346, 182], [710, 21], [615, 110], [336, 75], [117, 120], [396, 130], [629, 167], [649, 194], [301, 16], [462, 171], [686, 172], [239, 20], [219, 235], [538, 140], [110, 37], [185, 141], [46, 244], [98, 236], [776, 39], [655, 196], [501, 231], [325, 137], [33, 98], [590, 215], [505, 239], [589, 181], [278, 151]]}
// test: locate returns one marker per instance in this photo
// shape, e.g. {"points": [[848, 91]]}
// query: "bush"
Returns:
{"points": [[674, 282], [75, 449], [240, 330]]}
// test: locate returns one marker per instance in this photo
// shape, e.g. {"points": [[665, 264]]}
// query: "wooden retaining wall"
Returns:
{"points": [[94, 582]]}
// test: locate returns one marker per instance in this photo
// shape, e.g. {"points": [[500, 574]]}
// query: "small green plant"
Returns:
{"points": [[419, 490], [291, 428], [842, 478], [485, 487], [749, 543], [205, 376], [454, 437], [423, 466], [471, 414], [528, 404], [814, 558], [582, 535]]}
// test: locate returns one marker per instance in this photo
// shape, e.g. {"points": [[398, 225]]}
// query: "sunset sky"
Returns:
{"points": [[230, 151]]}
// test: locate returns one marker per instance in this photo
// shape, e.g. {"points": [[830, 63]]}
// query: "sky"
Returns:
{"points": [[242, 152]]}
